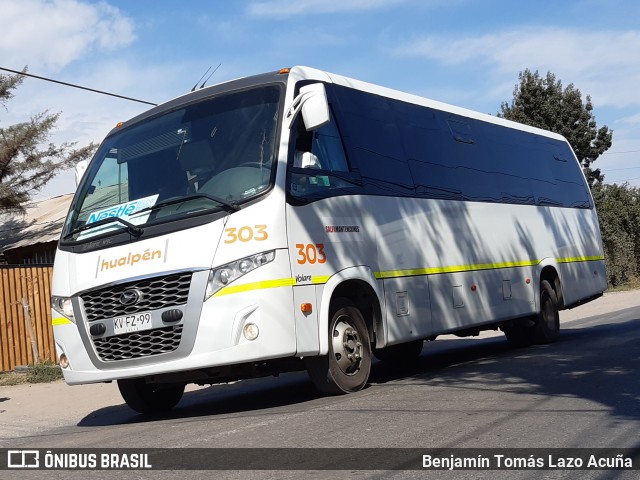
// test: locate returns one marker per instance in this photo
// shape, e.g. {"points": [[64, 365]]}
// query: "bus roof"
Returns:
{"points": [[308, 73]]}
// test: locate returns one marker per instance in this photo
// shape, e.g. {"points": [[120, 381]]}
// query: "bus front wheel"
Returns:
{"points": [[346, 367], [146, 397]]}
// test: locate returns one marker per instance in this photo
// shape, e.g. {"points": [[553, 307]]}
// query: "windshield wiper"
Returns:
{"points": [[131, 228], [226, 206]]}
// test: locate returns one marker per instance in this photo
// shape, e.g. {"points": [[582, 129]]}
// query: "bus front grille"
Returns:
{"points": [[153, 294], [138, 344]]}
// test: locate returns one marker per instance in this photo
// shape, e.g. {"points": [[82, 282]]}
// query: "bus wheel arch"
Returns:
{"points": [[353, 323], [550, 274], [365, 299], [544, 326]]}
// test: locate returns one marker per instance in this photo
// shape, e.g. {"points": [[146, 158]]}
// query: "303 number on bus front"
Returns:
{"points": [[246, 234]]}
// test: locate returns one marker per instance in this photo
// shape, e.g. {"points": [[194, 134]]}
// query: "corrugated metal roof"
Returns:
{"points": [[41, 223]]}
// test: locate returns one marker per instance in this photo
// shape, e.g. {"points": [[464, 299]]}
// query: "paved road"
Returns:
{"points": [[582, 391]]}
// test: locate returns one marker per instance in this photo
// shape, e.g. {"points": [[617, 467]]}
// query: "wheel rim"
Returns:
{"points": [[347, 346]]}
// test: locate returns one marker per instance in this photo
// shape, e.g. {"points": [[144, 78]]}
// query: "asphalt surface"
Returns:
{"points": [[31, 408]]}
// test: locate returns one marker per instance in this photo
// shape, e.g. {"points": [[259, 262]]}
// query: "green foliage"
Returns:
{"points": [[619, 213], [44, 372], [27, 162], [543, 103]]}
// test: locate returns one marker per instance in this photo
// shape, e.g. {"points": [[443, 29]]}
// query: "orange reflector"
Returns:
{"points": [[306, 308], [283, 71], [119, 124]]}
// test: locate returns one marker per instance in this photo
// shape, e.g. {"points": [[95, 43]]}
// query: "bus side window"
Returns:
{"points": [[317, 155], [320, 149], [327, 147]]}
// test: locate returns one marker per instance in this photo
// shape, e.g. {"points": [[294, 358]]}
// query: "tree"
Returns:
{"points": [[541, 102], [619, 214], [27, 162]]}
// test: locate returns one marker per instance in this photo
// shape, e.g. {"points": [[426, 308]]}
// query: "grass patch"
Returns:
{"points": [[633, 284], [12, 378], [42, 372]]}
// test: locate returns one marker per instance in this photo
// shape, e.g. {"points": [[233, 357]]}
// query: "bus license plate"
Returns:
{"points": [[132, 323]]}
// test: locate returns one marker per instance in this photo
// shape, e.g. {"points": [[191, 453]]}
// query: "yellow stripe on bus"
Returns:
{"points": [[454, 269], [282, 282], [320, 280], [61, 321], [477, 266], [579, 259]]}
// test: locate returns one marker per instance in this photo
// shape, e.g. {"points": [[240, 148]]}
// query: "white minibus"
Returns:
{"points": [[304, 220]]}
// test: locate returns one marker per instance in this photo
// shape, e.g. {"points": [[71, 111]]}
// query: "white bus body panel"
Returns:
{"points": [[220, 320], [445, 265]]}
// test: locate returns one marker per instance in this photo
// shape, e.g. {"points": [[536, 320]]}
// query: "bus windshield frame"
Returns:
{"points": [[198, 158]]}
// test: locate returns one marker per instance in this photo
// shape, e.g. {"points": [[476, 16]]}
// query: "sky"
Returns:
{"points": [[463, 52]]}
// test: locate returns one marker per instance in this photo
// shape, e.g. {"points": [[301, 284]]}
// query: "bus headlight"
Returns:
{"points": [[224, 275], [63, 306]]}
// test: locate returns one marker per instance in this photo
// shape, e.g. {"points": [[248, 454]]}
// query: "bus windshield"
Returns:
{"points": [[212, 155]]}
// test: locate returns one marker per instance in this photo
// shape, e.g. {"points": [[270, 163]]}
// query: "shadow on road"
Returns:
{"points": [[596, 363], [249, 396]]}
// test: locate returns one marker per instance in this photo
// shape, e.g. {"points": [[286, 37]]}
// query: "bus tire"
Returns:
{"points": [[146, 397], [346, 368], [400, 356], [520, 333], [547, 326]]}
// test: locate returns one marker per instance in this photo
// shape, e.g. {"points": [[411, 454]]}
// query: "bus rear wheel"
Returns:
{"points": [[547, 326], [146, 397], [541, 328], [346, 367]]}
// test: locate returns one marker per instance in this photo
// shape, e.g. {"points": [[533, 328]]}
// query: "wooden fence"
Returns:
{"points": [[25, 316]]}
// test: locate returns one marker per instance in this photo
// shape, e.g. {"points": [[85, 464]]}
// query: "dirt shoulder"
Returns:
{"points": [[610, 302]]}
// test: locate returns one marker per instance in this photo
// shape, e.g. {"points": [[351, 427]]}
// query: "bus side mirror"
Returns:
{"points": [[81, 167], [312, 101]]}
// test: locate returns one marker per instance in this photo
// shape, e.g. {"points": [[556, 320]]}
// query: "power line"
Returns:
{"points": [[77, 86], [614, 153], [617, 169]]}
